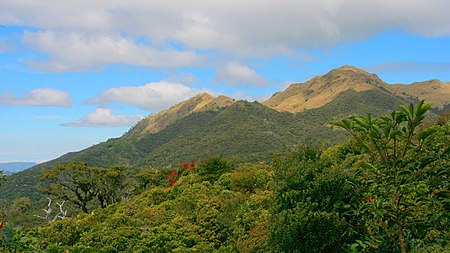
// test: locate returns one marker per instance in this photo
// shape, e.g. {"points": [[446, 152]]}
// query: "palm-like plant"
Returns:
{"points": [[398, 174]]}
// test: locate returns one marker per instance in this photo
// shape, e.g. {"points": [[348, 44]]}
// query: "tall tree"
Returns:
{"points": [[74, 182], [110, 185]]}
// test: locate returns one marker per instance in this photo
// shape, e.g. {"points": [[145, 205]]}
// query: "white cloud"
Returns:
{"points": [[103, 117], [78, 52], [152, 96], [234, 73], [251, 26], [38, 97]]}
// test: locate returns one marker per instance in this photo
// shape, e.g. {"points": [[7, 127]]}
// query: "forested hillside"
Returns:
{"points": [[383, 190]]}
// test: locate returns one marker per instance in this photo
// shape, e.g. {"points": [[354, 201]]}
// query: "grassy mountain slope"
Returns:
{"points": [[157, 122], [323, 89], [433, 91]]}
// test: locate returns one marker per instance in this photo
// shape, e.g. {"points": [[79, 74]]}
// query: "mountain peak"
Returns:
{"points": [[348, 68], [323, 89], [352, 71], [157, 122], [201, 102], [203, 96]]}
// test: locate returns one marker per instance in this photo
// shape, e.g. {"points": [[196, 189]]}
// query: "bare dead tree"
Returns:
{"points": [[61, 215]]}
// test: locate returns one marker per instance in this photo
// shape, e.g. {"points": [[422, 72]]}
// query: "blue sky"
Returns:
{"points": [[75, 74]]}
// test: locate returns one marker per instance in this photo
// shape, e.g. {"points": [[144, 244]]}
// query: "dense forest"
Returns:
{"points": [[385, 189]]}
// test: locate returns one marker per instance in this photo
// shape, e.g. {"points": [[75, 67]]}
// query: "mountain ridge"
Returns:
{"points": [[321, 90], [157, 122], [434, 91]]}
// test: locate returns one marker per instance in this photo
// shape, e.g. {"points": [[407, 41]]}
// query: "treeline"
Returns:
{"points": [[384, 190]]}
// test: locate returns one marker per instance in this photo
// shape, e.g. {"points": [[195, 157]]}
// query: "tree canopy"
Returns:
{"points": [[386, 189]]}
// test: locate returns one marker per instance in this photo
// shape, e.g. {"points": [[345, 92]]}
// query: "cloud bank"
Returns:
{"points": [[103, 117], [79, 52], [174, 33], [38, 97]]}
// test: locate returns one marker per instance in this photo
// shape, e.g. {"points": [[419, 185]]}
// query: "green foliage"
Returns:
{"points": [[405, 181], [14, 240], [146, 178], [251, 225], [7, 234], [196, 215], [2, 177], [81, 184], [213, 167], [110, 185], [311, 205], [21, 204], [250, 178], [74, 182]]}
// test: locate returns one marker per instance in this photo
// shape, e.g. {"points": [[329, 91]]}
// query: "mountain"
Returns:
{"points": [[246, 131], [433, 91], [205, 125], [14, 167], [323, 89]]}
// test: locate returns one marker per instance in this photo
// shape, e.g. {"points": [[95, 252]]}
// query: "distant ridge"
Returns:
{"points": [[14, 167], [433, 91]]}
